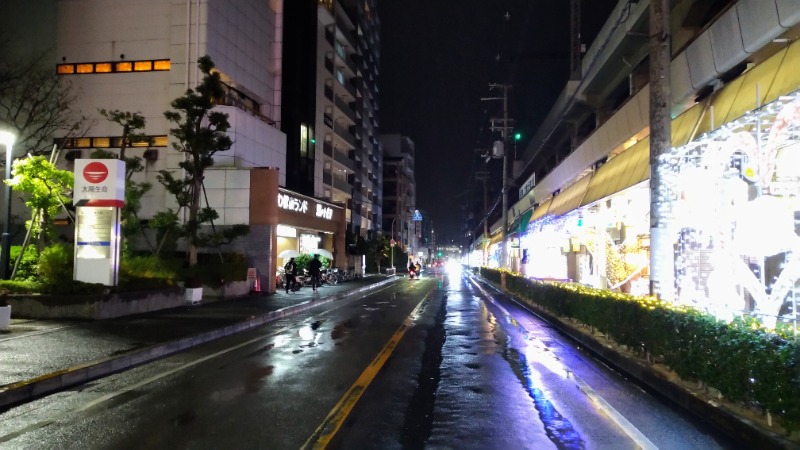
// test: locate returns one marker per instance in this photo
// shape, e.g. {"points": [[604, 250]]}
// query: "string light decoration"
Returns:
{"points": [[732, 200], [734, 203]]}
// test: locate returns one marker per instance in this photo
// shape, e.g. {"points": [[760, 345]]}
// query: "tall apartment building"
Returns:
{"points": [[400, 191], [330, 107], [731, 178]]}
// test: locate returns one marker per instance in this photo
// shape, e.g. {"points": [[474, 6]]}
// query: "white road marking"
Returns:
{"points": [[624, 424]]}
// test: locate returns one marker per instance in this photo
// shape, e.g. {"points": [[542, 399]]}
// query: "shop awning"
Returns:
{"points": [[521, 223], [627, 169], [570, 198], [540, 210], [760, 85]]}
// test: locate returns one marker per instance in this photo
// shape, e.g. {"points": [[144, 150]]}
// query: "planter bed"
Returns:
{"points": [[108, 306]]}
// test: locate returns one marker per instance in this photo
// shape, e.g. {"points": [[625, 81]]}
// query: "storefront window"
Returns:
{"points": [[309, 243]]}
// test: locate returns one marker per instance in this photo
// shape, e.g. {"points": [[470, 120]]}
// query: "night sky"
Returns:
{"points": [[438, 58]]}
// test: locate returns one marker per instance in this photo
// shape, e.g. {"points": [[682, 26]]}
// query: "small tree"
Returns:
{"points": [[200, 133], [131, 124], [377, 251], [46, 189]]}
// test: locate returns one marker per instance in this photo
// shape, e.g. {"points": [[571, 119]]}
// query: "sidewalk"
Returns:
{"points": [[39, 357]]}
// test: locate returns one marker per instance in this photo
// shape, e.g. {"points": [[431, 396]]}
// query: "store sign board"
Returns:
{"points": [[326, 212], [304, 206], [528, 186], [99, 180], [97, 244], [291, 203], [98, 195]]}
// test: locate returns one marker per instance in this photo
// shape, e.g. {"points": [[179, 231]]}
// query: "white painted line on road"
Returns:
{"points": [[637, 436], [110, 396], [153, 379], [36, 333], [624, 424]]}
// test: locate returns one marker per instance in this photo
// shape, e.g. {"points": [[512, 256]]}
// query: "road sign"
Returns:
{"points": [[417, 217], [392, 242]]}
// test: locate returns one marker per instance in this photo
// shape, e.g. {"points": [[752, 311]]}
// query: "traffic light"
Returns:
{"points": [[517, 136], [439, 254]]}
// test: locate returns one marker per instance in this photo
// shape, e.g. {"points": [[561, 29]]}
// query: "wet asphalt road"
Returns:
{"points": [[470, 371]]}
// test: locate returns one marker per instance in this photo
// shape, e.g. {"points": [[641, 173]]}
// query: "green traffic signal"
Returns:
{"points": [[518, 136]]}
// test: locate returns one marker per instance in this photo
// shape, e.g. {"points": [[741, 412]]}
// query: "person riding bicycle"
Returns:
{"points": [[291, 274], [314, 269]]}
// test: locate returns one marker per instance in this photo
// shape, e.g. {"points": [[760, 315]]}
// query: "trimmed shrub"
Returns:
{"points": [[56, 265], [20, 287], [27, 265]]}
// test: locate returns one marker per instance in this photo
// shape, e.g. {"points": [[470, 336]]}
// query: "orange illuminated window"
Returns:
{"points": [[111, 142], [101, 142], [64, 69], [83, 142], [161, 64], [143, 66], [85, 68], [112, 67]]}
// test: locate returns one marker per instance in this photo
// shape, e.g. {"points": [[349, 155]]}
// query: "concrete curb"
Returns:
{"points": [[748, 433], [23, 391]]}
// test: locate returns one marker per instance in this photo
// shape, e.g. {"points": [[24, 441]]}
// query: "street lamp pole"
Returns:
{"points": [[7, 139], [392, 245]]}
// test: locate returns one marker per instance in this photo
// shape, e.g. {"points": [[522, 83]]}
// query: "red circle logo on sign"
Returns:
{"points": [[95, 172]]}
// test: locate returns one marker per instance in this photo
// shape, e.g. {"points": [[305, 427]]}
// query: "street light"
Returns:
{"points": [[391, 244], [7, 138]]}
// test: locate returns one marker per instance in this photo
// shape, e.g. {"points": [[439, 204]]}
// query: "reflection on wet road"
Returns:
{"points": [[490, 375]]}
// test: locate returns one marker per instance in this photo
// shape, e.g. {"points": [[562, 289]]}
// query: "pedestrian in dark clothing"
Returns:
{"points": [[291, 274], [315, 269]]}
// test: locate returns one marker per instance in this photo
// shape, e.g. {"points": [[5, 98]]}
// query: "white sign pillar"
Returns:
{"points": [[99, 196]]}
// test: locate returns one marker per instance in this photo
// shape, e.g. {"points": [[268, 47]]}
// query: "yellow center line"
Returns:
{"points": [[326, 431]]}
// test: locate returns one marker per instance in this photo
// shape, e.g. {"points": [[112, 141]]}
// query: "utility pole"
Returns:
{"points": [[576, 48], [505, 129], [662, 259]]}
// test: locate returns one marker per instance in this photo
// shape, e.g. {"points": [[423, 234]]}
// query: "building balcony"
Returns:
{"points": [[349, 64], [342, 185], [346, 110], [256, 143], [345, 135], [344, 160], [351, 90]]}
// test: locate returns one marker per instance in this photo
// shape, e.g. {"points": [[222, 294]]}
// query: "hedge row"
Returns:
{"points": [[744, 362]]}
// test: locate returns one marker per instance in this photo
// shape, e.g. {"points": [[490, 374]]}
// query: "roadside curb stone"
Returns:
{"points": [[26, 390]]}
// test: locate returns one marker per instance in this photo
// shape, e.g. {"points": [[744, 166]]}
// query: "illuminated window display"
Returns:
{"points": [[544, 244], [736, 215]]}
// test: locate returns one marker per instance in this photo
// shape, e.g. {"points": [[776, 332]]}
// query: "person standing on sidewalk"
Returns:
{"points": [[291, 274], [315, 269]]}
